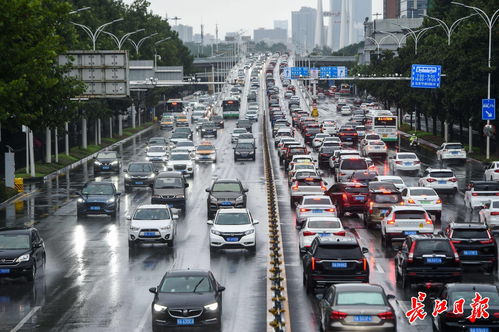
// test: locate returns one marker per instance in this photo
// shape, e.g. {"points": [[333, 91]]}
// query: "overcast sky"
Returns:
{"points": [[233, 15]]}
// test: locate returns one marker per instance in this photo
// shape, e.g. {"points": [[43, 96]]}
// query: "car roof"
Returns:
{"points": [[408, 208], [429, 169], [170, 174], [471, 286], [425, 237], [228, 180], [358, 287], [16, 230], [388, 177], [187, 272], [347, 239], [225, 211], [425, 188], [456, 225], [152, 206], [99, 182]]}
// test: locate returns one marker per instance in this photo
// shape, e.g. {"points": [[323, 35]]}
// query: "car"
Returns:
{"points": [[379, 204], [424, 197], [187, 298], [329, 127], [370, 137], [310, 132], [476, 247], [318, 226], [218, 120], [208, 128], [178, 136], [246, 124], [480, 192], [236, 132], [233, 228], [152, 223], [314, 205], [348, 197], [339, 154], [363, 177], [22, 253], [304, 186], [334, 259], [246, 137], [225, 193], [451, 152], [492, 172], [181, 162], [196, 115], [166, 122], [402, 221], [206, 152], [184, 145], [318, 139], [252, 115], [396, 180], [291, 151], [442, 180], [107, 161], [346, 110], [299, 159], [139, 174], [427, 259], [244, 150], [156, 141], [181, 120], [170, 188], [348, 165], [489, 215], [404, 162], [374, 149], [157, 154], [361, 131], [448, 320], [357, 307], [98, 198], [186, 130]]}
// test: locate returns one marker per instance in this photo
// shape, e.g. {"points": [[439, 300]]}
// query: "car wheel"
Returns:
{"points": [[127, 189], [156, 328], [438, 217], [404, 282], [383, 242], [252, 249], [32, 276], [213, 250], [131, 244], [309, 286]]}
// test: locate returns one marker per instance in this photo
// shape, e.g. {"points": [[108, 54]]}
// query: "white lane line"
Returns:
{"points": [[379, 268], [25, 319], [143, 320]]}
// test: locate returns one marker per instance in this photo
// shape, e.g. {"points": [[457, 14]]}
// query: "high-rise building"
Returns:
{"points": [[391, 8], [333, 30], [270, 36], [184, 32], [413, 8], [353, 14], [281, 24], [303, 29]]}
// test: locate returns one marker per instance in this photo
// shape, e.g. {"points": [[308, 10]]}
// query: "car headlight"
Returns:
{"points": [[22, 258], [147, 158], [240, 199], [165, 227], [133, 228], [248, 232], [214, 231], [213, 199], [152, 176], [80, 200], [179, 196], [238, 153], [111, 200], [114, 162], [211, 307], [97, 163], [189, 169], [159, 308]]}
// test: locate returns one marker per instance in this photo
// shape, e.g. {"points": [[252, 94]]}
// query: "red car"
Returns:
{"points": [[348, 197]]}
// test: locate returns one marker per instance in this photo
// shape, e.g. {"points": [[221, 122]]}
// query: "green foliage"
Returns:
{"points": [[349, 50], [262, 47]]}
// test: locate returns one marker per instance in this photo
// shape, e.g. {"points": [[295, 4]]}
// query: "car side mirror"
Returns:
{"points": [[209, 222], [245, 190], [186, 185], [151, 185], [128, 217], [391, 297], [325, 183], [365, 250], [156, 171], [319, 296], [175, 216], [207, 190], [37, 245], [153, 290], [125, 170], [221, 288], [255, 222], [118, 194]]}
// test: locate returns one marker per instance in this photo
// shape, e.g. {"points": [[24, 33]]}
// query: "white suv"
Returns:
{"points": [[480, 192], [181, 162], [233, 228], [439, 179], [152, 223], [492, 172], [403, 221], [451, 152]]}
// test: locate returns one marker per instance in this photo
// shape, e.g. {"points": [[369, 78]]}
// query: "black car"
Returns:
{"points": [[427, 259], [363, 177], [187, 299], [98, 198], [22, 253], [107, 161], [246, 124], [450, 321], [474, 244], [208, 129], [325, 153], [186, 130], [244, 150], [229, 193], [218, 121], [337, 259], [251, 96], [139, 174], [348, 135]]}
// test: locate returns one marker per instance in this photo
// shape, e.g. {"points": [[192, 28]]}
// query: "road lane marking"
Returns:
{"points": [[25, 319], [143, 321], [379, 268]]}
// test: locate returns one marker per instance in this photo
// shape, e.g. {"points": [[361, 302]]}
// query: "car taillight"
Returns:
{"points": [[304, 210], [496, 314], [456, 255], [371, 204], [324, 154], [314, 261], [494, 213], [391, 221], [331, 210], [450, 314], [496, 171], [323, 187], [474, 194], [295, 187], [431, 180], [453, 180], [337, 315], [309, 233], [439, 201], [386, 315], [417, 162], [428, 220], [364, 264], [398, 162], [497, 194], [489, 241], [345, 197], [411, 201], [456, 241], [340, 233], [410, 258]]}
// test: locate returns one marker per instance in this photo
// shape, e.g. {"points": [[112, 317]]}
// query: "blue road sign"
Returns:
{"points": [[297, 72], [426, 76], [287, 73], [488, 109], [333, 72]]}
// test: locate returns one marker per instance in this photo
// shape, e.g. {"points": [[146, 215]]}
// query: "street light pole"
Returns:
{"points": [[416, 34], [489, 21], [155, 52], [78, 10], [120, 42], [137, 45], [94, 35]]}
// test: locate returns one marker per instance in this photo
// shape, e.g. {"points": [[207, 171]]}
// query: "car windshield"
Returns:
{"points": [[98, 189], [311, 182], [107, 155], [180, 156], [360, 298], [232, 219], [357, 190], [470, 233], [428, 247], [152, 214], [206, 148], [353, 164], [180, 135], [453, 146], [407, 156], [486, 187], [208, 125], [244, 146], [410, 214], [300, 167], [156, 149], [184, 143], [423, 192], [442, 174], [393, 180], [197, 284], [468, 296], [14, 241], [226, 186], [343, 251], [372, 137], [239, 131], [324, 224], [163, 183], [387, 198], [159, 141], [139, 168], [317, 200]]}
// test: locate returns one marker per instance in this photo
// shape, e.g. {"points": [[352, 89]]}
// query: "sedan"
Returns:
{"points": [[314, 206], [107, 161], [424, 197], [489, 215], [318, 226], [404, 161]]}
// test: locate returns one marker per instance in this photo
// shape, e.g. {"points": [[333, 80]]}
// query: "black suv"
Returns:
{"points": [[208, 129], [139, 174], [244, 150], [427, 259], [107, 161], [337, 259], [325, 153], [246, 124], [450, 321], [22, 253], [223, 194], [98, 198], [187, 299], [186, 130], [474, 244]]}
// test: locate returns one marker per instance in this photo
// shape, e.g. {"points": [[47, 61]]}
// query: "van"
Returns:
{"points": [[170, 188]]}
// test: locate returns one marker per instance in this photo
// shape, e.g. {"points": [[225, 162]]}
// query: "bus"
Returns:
{"points": [[344, 89], [230, 108], [385, 126], [174, 106]]}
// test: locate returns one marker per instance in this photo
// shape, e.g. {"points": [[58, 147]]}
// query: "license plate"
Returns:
{"points": [[442, 182], [185, 321], [226, 203], [4, 271], [434, 260], [408, 164], [150, 234], [232, 239], [455, 152], [359, 198], [425, 202], [316, 211], [410, 233], [479, 329], [470, 252], [95, 208], [362, 318], [139, 182], [339, 265], [105, 167], [323, 234]]}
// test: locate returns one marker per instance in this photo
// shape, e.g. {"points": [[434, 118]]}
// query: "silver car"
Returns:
{"points": [[314, 206]]}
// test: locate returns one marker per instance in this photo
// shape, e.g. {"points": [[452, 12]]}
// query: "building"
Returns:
{"points": [[281, 24], [303, 29], [270, 36], [391, 9], [184, 32], [413, 8]]}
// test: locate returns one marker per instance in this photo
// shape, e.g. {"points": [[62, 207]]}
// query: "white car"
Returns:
{"points": [[236, 133], [314, 206], [403, 221], [185, 145], [301, 158], [492, 172], [319, 226], [252, 115], [181, 162], [405, 161], [396, 180], [318, 140], [451, 152], [157, 154], [153, 223], [329, 127], [439, 179], [374, 149], [233, 228], [424, 197], [480, 192], [338, 154], [346, 110], [490, 215]]}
